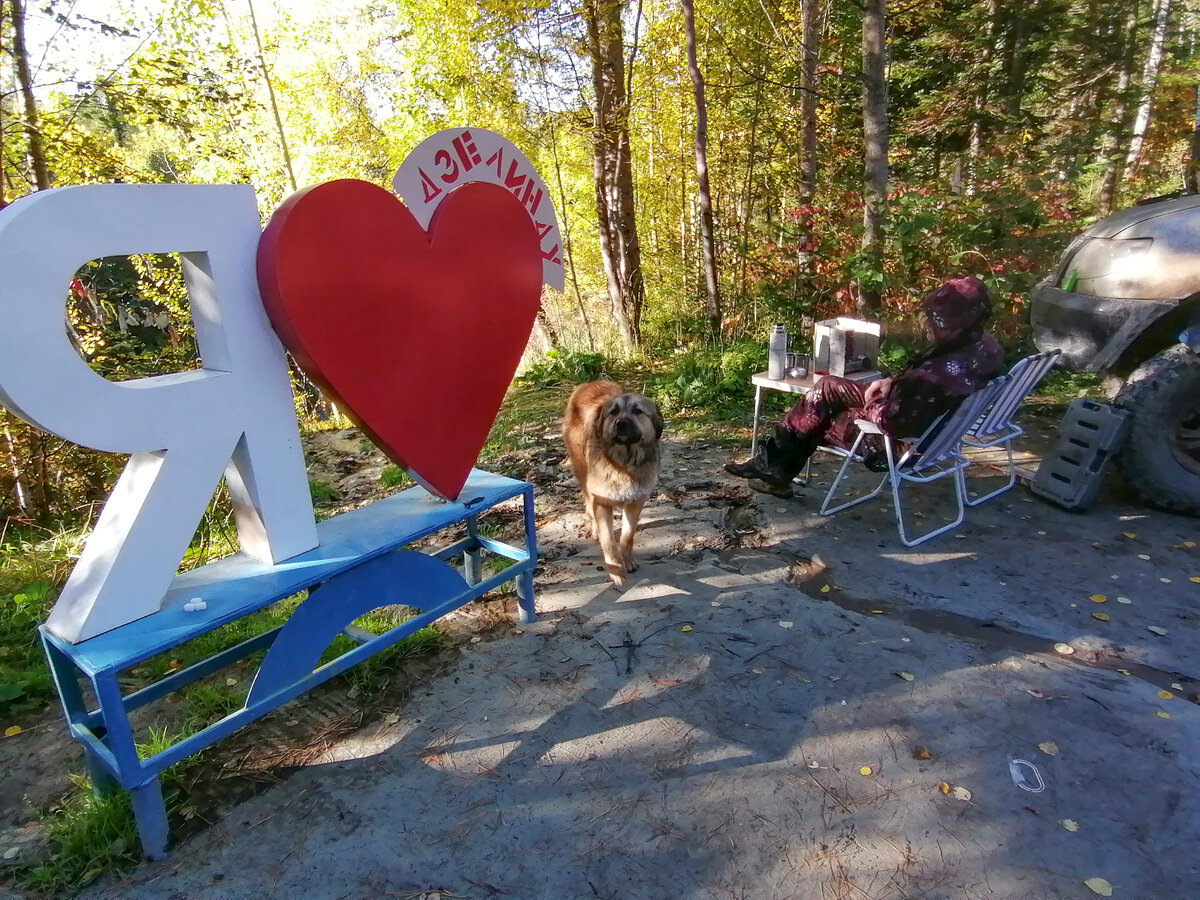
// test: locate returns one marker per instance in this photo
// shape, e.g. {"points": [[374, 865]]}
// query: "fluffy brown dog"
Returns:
{"points": [[612, 439]]}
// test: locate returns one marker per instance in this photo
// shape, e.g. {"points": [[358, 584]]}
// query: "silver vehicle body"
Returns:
{"points": [[1131, 280]]}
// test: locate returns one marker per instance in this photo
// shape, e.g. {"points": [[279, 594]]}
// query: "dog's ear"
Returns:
{"points": [[605, 410], [657, 419]]}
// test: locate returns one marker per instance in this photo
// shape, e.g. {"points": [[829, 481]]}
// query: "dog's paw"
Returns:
{"points": [[630, 564]]}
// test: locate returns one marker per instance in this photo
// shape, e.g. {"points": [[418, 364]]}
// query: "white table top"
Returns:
{"points": [[807, 383]]}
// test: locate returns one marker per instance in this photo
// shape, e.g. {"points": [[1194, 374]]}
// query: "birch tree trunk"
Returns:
{"points": [[712, 287], [1191, 181], [875, 139], [1158, 37], [810, 38], [612, 168]]}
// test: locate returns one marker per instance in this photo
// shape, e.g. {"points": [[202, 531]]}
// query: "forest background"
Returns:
{"points": [[716, 168]]}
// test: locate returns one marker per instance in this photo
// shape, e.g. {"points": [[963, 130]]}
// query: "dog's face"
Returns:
{"points": [[629, 419]]}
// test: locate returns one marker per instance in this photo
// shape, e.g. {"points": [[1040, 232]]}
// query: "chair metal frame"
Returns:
{"points": [[934, 455], [996, 426]]}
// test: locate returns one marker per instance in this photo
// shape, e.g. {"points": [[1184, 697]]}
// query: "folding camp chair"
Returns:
{"points": [[935, 454], [996, 427]]}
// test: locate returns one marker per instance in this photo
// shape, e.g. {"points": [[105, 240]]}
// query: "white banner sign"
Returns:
{"points": [[457, 155]]}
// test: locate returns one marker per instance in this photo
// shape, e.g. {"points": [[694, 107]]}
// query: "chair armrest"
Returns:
{"points": [[868, 427]]}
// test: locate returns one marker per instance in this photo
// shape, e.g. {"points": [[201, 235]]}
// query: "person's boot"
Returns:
{"points": [[774, 467], [767, 464], [754, 467]]}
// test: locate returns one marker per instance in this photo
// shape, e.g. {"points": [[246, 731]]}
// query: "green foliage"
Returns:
{"points": [[709, 378], [893, 356], [25, 681], [565, 367], [91, 835], [321, 491], [394, 476]]}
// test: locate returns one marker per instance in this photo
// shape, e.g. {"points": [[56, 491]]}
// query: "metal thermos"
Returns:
{"points": [[777, 352]]}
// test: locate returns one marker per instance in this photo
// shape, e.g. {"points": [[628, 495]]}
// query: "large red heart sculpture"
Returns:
{"points": [[416, 335]]}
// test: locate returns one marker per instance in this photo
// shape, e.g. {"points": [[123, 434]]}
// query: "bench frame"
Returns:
{"points": [[356, 568]]}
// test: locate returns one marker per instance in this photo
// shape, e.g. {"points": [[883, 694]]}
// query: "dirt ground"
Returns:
{"points": [[779, 705]]}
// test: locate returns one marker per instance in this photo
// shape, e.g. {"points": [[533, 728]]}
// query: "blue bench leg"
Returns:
{"points": [[471, 565], [525, 597], [150, 813]]}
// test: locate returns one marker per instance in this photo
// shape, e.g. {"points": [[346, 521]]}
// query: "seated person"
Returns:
{"points": [[962, 359]]}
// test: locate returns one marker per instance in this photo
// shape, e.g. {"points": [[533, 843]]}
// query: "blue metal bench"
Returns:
{"points": [[356, 568]]}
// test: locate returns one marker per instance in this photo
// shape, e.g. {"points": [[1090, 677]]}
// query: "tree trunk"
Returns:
{"points": [[1158, 36], [712, 288], [1191, 181], [810, 38], [612, 168], [981, 101], [747, 199], [1109, 151], [37, 149], [875, 139]]}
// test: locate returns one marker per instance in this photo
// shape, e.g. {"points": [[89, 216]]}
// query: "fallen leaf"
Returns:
{"points": [[12, 730], [907, 676], [1049, 748], [1166, 695], [1195, 579], [1143, 556], [1103, 617], [1176, 686], [919, 752], [1069, 824], [716, 602], [1099, 886], [960, 793], [824, 589], [689, 627], [865, 770], [877, 612], [1156, 629], [1163, 715], [12, 853], [1128, 534], [1124, 671], [1186, 545], [785, 624], [391, 718], [1034, 693], [944, 787], [1098, 598], [231, 682], [1165, 580], [1124, 600], [1064, 649]]}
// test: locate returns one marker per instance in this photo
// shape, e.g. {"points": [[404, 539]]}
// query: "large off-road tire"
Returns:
{"points": [[1161, 458]]}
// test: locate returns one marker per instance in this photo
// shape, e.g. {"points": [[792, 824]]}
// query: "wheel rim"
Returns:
{"points": [[1185, 440]]}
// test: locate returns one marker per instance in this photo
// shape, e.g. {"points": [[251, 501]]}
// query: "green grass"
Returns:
{"points": [[394, 476], [95, 833], [321, 491], [1060, 387], [92, 834]]}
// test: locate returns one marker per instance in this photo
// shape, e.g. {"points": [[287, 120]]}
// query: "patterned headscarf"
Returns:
{"points": [[955, 308]]}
